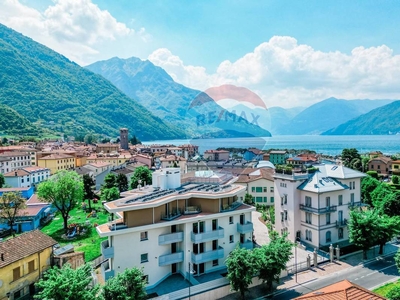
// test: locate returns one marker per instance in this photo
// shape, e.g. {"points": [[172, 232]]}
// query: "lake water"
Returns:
{"points": [[330, 145]]}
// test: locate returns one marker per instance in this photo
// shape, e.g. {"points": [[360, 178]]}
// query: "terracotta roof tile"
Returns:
{"points": [[24, 245]]}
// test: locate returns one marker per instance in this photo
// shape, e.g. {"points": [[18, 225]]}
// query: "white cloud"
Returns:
{"points": [[72, 27], [285, 73]]}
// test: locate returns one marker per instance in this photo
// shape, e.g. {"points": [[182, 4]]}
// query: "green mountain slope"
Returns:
{"points": [[382, 120], [42, 84], [329, 113], [152, 87], [12, 123]]}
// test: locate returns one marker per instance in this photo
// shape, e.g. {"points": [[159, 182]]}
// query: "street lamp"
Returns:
{"points": [[191, 272]]}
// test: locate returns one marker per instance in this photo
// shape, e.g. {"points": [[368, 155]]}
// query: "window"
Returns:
{"points": [[285, 199], [354, 185], [258, 199], [144, 258], [271, 189], [31, 266], [145, 278], [16, 273], [215, 262], [231, 239], [285, 214], [308, 218], [230, 220], [328, 201], [352, 198], [340, 200], [259, 189], [265, 189], [328, 218], [272, 199], [143, 236], [308, 201], [281, 200], [328, 236], [340, 233], [282, 216], [309, 235], [282, 184], [17, 294], [253, 189], [265, 199]]}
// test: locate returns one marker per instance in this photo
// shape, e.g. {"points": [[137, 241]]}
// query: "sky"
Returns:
{"points": [[290, 53]]}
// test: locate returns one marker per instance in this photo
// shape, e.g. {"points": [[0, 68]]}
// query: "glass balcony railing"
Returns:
{"points": [[207, 236], [246, 245], [245, 228], [230, 207], [170, 238], [322, 210], [106, 271], [169, 259], [106, 250], [208, 256], [173, 214]]}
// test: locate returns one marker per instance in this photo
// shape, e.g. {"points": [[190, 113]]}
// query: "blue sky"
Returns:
{"points": [[298, 51]]}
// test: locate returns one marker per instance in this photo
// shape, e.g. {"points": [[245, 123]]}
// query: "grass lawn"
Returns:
{"points": [[383, 290], [88, 243]]}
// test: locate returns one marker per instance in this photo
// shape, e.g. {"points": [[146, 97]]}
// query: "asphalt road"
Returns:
{"points": [[370, 276]]}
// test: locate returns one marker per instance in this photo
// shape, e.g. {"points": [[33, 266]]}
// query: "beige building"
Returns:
{"points": [[116, 160], [216, 155], [57, 162], [173, 161]]}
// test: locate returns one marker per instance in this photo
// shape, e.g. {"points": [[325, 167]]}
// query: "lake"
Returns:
{"points": [[330, 145]]}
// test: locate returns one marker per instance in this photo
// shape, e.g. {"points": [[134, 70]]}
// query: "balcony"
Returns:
{"points": [[106, 250], [208, 256], [170, 238], [314, 210], [354, 204], [245, 228], [246, 245], [117, 226], [192, 210], [207, 236], [169, 259], [171, 215], [341, 223], [106, 271], [230, 207]]}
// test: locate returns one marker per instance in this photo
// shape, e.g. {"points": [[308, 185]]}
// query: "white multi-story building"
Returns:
{"points": [[315, 207], [167, 227], [26, 177], [17, 160]]}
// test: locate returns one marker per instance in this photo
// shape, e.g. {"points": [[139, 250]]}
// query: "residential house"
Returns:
{"points": [[253, 154], [395, 170], [278, 157], [23, 260], [173, 161], [342, 290], [56, 162], [375, 154], [303, 159], [381, 164], [26, 192], [5, 165], [171, 226], [26, 177], [216, 155], [142, 158], [115, 159], [315, 207], [259, 184]]}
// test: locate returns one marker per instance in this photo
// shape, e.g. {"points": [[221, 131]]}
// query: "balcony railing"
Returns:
{"points": [[323, 210], [230, 207], [106, 271], [190, 210], [207, 236], [170, 259], [246, 245], [117, 226], [341, 223], [208, 256], [106, 250], [170, 238], [245, 228], [173, 214], [354, 204]]}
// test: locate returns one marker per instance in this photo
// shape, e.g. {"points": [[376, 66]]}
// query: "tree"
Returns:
{"points": [[134, 140], [387, 228], [67, 283], [397, 259], [141, 173], [11, 206], [373, 174], [394, 293], [390, 204], [109, 194], [349, 157], [64, 190], [90, 138], [122, 182], [272, 258], [240, 267], [363, 229], [379, 193], [395, 179], [248, 199], [88, 193], [129, 285], [364, 162], [110, 181], [368, 185], [2, 180]]}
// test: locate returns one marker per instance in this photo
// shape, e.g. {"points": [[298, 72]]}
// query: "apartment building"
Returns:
{"points": [[315, 207], [278, 157], [26, 177], [15, 160], [56, 162], [164, 227]]}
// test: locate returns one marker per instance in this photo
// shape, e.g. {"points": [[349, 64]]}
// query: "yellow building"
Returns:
{"points": [[23, 259], [57, 162], [116, 160]]}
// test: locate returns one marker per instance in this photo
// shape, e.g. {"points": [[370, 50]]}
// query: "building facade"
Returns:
{"points": [[169, 226], [124, 138], [16, 160], [216, 155], [57, 162], [278, 157], [26, 177], [315, 207], [382, 165]]}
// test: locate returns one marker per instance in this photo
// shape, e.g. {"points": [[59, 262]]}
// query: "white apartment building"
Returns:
{"points": [[315, 207], [166, 227], [26, 177], [17, 160], [260, 184]]}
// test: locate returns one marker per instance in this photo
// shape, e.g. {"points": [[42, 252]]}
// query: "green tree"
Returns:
{"points": [[350, 157], [390, 204], [364, 162], [90, 138], [373, 174], [394, 293], [363, 229], [64, 190], [387, 228], [11, 205], [134, 140], [2, 180], [122, 182], [67, 283], [272, 258], [248, 199], [397, 259], [128, 285], [88, 194], [395, 179], [368, 185], [241, 268], [379, 193], [109, 194], [110, 181], [141, 173]]}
